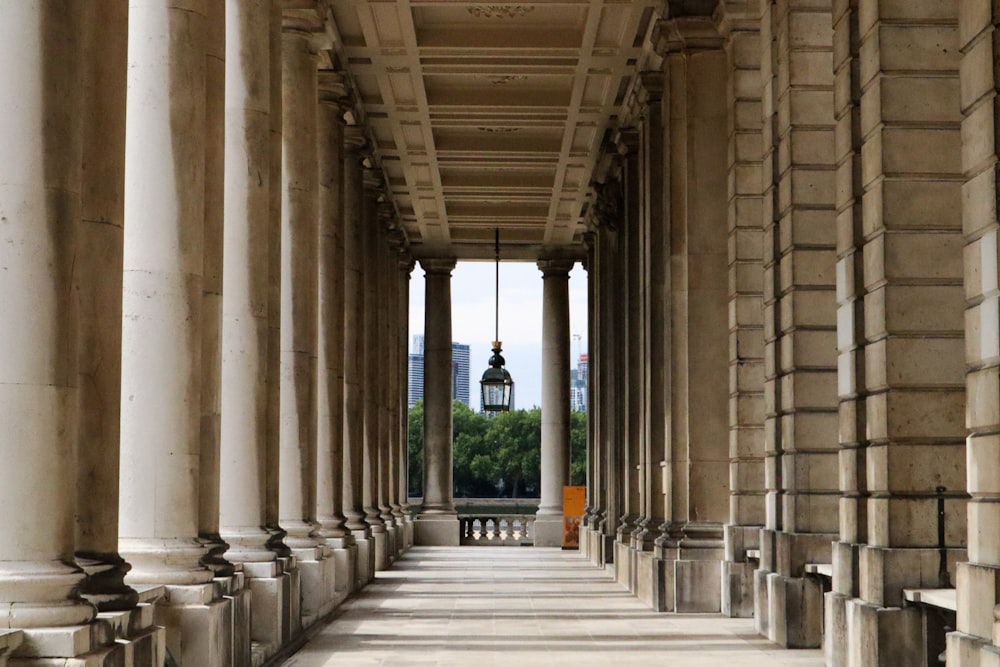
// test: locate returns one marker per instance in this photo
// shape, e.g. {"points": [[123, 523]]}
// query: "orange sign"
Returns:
{"points": [[574, 503]]}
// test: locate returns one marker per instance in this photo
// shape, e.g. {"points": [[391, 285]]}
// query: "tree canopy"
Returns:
{"points": [[498, 456]]}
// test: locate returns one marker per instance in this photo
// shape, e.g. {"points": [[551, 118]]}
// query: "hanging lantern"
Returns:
{"points": [[497, 385]]}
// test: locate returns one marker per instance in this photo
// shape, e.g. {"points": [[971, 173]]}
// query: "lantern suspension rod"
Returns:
{"points": [[496, 301]]}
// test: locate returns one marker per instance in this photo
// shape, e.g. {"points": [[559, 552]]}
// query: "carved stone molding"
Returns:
{"points": [[500, 11]]}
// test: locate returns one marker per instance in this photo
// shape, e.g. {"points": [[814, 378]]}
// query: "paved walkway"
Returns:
{"points": [[522, 607]]}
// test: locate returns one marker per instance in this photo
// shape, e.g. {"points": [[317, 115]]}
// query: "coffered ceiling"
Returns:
{"points": [[491, 115]]}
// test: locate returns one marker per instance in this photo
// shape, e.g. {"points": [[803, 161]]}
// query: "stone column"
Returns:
{"points": [[741, 30], [373, 185], [698, 458], [555, 400], [800, 367], [40, 180], [354, 390], [437, 523], [588, 520], [405, 266], [656, 328], [976, 642], [211, 285], [299, 313], [98, 284], [633, 368], [245, 281], [162, 325], [330, 428], [910, 280]]}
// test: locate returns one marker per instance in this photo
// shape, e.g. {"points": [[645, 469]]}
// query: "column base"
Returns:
{"points": [[380, 538], [270, 622], [345, 556], [795, 610], [317, 571], [883, 636], [584, 541], [835, 629], [971, 651], [198, 625], [737, 570], [623, 564], [364, 570], [650, 585], [548, 531], [436, 530], [236, 591]]}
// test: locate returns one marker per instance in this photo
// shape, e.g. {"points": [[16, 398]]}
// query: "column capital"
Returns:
{"points": [[627, 141], [688, 32], [355, 140], [333, 88], [438, 265], [556, 266], [650, 87]]}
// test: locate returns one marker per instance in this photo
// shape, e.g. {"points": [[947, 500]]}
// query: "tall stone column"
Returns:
{"points": [[697, 461], [404, 266], [656, 328], [162, 325], [40, 180], [244, 326], [437, 523], [633, 368], [800, 365], [330, 429], [299, 313], [740, 28], [373, 185], [98, 284], [976, 642], [591, 479], [555, 400], [354, 389], [211, 284], [910, 279]]}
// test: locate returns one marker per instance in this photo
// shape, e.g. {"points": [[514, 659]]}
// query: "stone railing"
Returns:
{"points": [[499, 530]]}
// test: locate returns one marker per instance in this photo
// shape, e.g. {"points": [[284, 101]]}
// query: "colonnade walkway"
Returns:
{"points": [[521, 607]]}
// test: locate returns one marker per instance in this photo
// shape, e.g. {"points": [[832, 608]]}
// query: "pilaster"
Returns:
{"points": [[686, 564], [976, 643], [909, 248], [740, 28], [799, 320]]}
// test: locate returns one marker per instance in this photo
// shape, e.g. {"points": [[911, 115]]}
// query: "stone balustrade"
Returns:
{"points": [[498, 530]]}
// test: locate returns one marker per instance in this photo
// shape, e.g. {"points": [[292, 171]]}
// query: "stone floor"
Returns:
{"points": [[520, 607]]}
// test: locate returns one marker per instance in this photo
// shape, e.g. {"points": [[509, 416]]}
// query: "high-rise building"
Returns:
{"points": [[459, 372], [578, 385]]}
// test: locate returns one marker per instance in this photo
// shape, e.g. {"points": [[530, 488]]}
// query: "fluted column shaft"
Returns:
{"points": [[330, 440], [372, 379], [245, 281], [162, 294], [299, 257], [438, 487], [40, 195]]}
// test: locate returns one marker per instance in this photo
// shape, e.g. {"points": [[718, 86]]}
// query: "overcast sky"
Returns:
{"points": [[472, 286]]}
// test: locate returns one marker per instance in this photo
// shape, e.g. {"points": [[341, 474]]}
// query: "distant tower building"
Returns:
{"points": [[578, 385], [415, 382], [459, 373]]}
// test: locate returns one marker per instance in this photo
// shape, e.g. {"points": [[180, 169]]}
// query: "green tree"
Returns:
{"points": [[578, 448], [516, 440], [415, 449], [471, 454]]}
